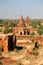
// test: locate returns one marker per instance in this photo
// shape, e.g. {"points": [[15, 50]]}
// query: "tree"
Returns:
{"points": [[40, 31], [35, 23], [0, 30], [8, 31]]}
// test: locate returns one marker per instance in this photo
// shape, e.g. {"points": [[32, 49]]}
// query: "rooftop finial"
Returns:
{"points": [[21, 18]]}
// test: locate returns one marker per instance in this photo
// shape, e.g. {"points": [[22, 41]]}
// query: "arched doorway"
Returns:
{"points": [[20, 33], [24, 32], [10, 42], [27, 32]]}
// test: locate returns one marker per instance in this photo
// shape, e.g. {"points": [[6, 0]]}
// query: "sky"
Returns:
{"points": [[11, 9]]}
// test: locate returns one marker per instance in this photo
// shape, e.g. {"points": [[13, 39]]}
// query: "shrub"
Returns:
{"points": [[40, 31], [35, 51], [19, 63], [0, 30]]}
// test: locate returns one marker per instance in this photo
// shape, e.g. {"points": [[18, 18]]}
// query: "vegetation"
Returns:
{"points": [[19, 63], [40, 31], [0, 30], [8, 31], [35, 51], [11, 23], [8, 22], [1, 48], [32, 33], [35, 23]]}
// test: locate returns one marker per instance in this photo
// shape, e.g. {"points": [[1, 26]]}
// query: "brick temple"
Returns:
{"points": [[20, 36]]}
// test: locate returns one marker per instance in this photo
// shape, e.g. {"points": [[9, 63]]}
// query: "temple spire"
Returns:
{"points": [[21, 21], [28, 21]]}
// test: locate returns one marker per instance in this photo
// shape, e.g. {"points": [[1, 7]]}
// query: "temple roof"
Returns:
{"points": [[21, 21], [28, 21], [22, 24]]}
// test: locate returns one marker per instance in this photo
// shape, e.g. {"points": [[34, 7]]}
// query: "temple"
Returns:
{"points": [[20, 36]]}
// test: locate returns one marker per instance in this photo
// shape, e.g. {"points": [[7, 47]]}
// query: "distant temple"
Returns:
{"points": [[21, 28]]}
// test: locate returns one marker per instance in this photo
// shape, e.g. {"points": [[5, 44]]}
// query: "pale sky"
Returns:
{"points": [[12, 9]]}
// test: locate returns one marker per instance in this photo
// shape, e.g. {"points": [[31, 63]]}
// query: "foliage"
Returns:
{"points": [[26, 57], [32, 33], [16, 50], [40, 31], [12, 24], [1, 48], [19, 63], [8, 22], [0, 30], [8, 31], [5, 23], [35, 23], [35, 51], [1, 21]]}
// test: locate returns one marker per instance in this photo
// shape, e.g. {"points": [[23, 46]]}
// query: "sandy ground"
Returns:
{"points": [[22, 58]]}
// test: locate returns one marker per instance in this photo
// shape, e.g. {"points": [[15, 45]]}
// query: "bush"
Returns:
{"points": [[0, 30], [40, 31], [32, 33], [35, 51], [19, 63]]}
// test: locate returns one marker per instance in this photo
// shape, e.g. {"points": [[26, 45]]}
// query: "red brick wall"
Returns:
{"points": [[4, 43], [42, 43]]}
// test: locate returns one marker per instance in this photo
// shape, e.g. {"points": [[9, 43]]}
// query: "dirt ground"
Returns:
{"points": [[23, 58]]}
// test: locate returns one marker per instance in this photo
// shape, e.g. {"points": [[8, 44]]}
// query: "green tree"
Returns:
{"points": [[40, 31], [0, 30], [8, 31], [35, 23]]}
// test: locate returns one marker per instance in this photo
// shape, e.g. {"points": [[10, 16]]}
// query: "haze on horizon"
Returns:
{"points": [[12, 9]]}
